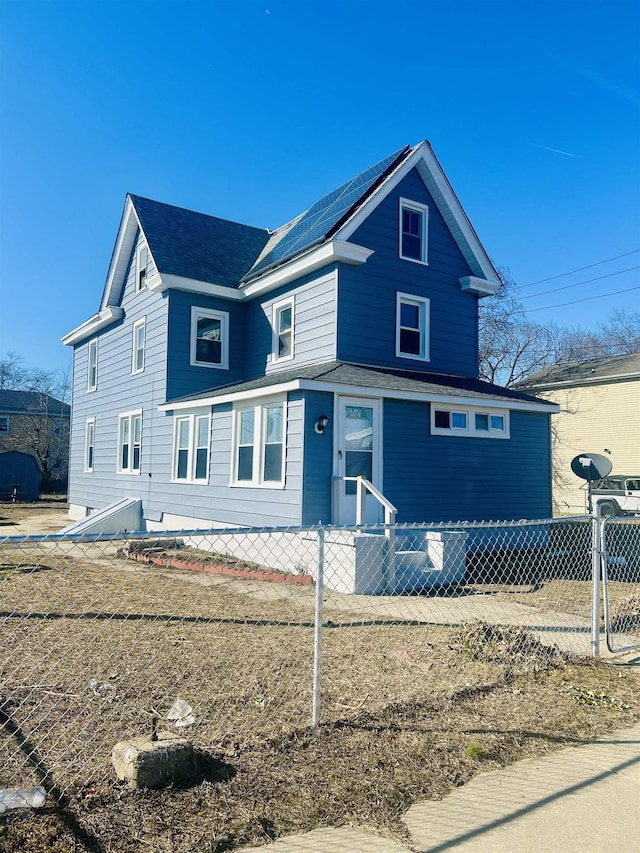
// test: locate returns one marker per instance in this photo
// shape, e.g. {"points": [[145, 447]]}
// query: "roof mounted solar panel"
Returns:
{"points": [[320, 219]]}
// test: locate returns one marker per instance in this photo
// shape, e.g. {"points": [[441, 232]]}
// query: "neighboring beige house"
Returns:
{"points": [[599, 413], [37, 424]]}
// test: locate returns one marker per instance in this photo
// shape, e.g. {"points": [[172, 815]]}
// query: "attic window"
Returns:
{"points": [[142, 260], [4, 425], [414, 218]]}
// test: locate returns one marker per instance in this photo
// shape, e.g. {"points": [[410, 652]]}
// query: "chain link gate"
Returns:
{"points": [[621, 582]]}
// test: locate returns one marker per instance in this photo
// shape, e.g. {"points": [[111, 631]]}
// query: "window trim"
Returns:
{"points": [[141, 247], [471, 431], [424, 309], [259, 443], [7, 421], [89, 458], [212, 314], [139, 324], [192, 419], [92, 365], [276, 310], [423, 210], [130, 416]]}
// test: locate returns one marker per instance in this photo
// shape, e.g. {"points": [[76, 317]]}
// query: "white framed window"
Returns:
{"points": [[209, 338], [282, 324], [89, 443], [412, 327], [191, 448], [469, 421], [137, 355], [4, 424], [142, 262], [92, 365], [129, 442], [259, 444], [413, 221]]}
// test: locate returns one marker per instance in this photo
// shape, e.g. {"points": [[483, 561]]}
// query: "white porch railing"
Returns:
{"points": [[363, 486]]}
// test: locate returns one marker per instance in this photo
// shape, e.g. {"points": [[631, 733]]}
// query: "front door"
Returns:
{"points": [[357, 453]]}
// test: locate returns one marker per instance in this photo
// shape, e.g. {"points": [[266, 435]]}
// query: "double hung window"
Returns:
{"points": [[209, 338], [283, 330], [137, 357], [191, 448], [259, 442], [413, 222], [142, 262], [129, 442], [412, 327]]}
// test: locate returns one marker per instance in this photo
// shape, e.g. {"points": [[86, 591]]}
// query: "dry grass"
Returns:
{"points": [[409, 709]]}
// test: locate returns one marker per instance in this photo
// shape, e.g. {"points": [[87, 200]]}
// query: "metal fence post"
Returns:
{"points": [[317, 633], [596, 553]]}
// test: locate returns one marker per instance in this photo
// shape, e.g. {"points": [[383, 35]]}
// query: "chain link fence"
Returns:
{"points": [[266, 631]]}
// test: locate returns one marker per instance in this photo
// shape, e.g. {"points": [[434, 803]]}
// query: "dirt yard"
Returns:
{"points": [[90, 643]]}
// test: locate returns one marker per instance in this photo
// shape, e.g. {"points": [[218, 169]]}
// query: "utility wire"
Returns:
{"points": [[578, 283], [586, 299], [580, 269]]}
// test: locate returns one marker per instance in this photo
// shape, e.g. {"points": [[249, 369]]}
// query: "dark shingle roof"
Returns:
{"points": [[342, 373], [198, 246], [317, 223], [597, 369], [21, 402]]}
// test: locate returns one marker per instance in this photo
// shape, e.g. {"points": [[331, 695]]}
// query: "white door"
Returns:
{"points": [[358, 452]]}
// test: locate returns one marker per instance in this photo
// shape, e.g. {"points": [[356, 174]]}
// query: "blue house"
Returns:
{"points": [[235, 376]]}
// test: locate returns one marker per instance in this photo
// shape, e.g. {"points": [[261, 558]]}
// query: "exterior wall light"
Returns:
{"points": [[321, 424]]}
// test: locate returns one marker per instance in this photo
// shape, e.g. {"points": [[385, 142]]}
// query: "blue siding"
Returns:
{"points": [[314, 325], [217, 500], [371, 289], [440, 478], [183, 378], [119, 391], [318, 460]]}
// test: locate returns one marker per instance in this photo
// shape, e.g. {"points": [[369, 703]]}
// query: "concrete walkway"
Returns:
{"points": [[576, 800]]}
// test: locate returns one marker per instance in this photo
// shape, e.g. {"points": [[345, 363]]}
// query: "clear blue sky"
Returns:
{"points": [[253, 110]]}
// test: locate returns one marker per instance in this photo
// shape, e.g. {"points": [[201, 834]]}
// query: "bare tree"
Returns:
{"points": [[42, 428], [513, 348]]}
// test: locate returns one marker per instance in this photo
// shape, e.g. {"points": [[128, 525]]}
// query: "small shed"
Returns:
{"points": [[19, 476]]}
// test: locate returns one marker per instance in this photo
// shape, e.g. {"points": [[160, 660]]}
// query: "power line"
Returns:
{"points": [[578, 283], [579, 269], [586, 299]]}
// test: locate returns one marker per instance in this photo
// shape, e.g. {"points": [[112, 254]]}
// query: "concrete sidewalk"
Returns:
{"points": [[578, 799]]}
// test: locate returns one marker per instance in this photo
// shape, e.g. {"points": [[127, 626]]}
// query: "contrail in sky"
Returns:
{"points": [[555, 150]]}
